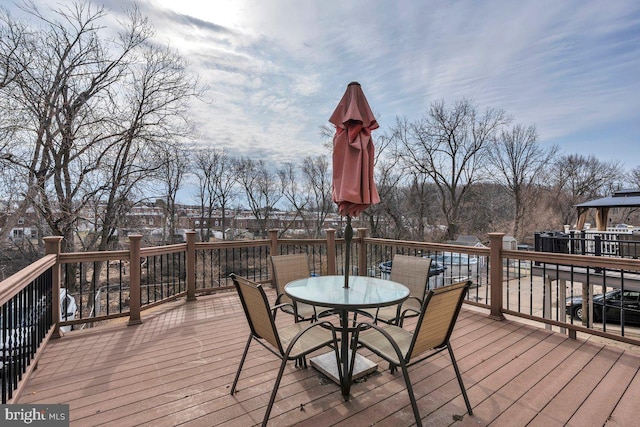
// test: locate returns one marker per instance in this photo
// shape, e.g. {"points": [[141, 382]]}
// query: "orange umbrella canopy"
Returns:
{"points": [[353, 153]]}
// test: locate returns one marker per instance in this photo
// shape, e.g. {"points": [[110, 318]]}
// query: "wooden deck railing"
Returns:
{"points": [[106, 285]]}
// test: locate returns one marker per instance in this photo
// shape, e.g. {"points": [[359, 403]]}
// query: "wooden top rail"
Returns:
{"points": [[575, 260], [232, 244], [71, 257], [438, 247], [15, 283], [307, 242], [162, 250]]}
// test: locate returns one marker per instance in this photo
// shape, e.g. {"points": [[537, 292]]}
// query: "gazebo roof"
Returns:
{"points": [[620, 199]]}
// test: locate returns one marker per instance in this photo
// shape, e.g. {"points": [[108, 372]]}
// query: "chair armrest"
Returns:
{"points": [[324, 324], [284, 304], [382, 330], [409, 311], [418, 300]]}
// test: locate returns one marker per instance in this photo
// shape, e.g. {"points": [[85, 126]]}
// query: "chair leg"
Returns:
{"points": [[273, 393], [464, 391], [412, 398], [244, 355]]}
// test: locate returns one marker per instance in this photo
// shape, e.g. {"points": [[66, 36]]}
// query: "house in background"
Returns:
{"points": [[467, 240]]}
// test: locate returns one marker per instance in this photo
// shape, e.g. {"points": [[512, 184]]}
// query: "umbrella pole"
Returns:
{"points": [[348, 236]]}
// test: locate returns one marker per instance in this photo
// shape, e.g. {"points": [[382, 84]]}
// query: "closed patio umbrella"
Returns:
{"points": [[353, 153]]}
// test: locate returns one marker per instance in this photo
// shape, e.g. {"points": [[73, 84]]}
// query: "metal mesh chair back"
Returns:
{"points": [[286, 268], [438, 317], [413, 272], [256, 307]]}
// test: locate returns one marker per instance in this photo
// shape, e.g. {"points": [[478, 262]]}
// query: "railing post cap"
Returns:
{"points": [[496, 234], [52, 244]]}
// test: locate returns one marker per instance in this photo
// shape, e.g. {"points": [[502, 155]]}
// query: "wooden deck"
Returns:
{"points": [[177, 367]]}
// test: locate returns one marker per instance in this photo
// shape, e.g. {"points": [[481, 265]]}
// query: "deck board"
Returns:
{"points": [[177, 367]]}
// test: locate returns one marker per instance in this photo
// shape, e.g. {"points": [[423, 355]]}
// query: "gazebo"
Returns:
{"points": [[620, 199]]}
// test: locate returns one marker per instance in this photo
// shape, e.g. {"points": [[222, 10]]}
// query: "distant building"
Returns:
{"points": [[151, 221], [468, 240], [509, 243]]}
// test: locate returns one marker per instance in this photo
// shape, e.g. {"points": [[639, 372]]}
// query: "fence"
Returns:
{"points": [[610, 243], [534, 285], [26, 321]]}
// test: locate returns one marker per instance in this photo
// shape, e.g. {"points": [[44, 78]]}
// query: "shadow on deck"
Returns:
{"points": [[177, 367]]}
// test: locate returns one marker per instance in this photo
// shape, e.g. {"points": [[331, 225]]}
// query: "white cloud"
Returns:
{"points": [[277, 68]]}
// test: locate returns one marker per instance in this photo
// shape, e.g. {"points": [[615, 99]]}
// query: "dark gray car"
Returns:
{"points": [[610, 306]]}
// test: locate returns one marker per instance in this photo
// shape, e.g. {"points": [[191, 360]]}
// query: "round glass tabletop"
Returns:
{"points": [[363, 292]]}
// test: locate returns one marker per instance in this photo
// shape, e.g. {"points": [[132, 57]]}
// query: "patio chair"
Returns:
{"points": [[413, 272], [284, 269], [291, 342], [431, 335]]}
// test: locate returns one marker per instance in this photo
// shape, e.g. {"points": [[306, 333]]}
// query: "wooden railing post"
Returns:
{"points": [[191, 265], [52, 245], [331, 251], [495, 268], [273, 250], [134, 278], [273, 246], [362, 253]]}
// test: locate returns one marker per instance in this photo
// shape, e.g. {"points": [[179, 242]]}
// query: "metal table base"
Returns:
{"points": [[326, 363]]}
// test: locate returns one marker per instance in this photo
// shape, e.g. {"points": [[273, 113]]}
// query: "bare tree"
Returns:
{"points": [[632, 181], [317, 178], [224, 186], [449, 146], [634, 177], [297, 196], [519, 163], [307, 189], [92, 108], [203, 163], [14, 48], [387, 218], [175, 161], [216, 185], [263, 189], [422, 209], [576, 178], [15, 56]]}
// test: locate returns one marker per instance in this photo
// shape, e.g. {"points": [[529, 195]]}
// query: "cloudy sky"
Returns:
{"points": [[276, 69]]}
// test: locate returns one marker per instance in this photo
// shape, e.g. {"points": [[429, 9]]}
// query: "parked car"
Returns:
{"points": [[459, 266], [434, 269], [611, 302]]}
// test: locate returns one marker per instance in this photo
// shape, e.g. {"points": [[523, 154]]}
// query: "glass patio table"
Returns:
{"points": [[363, 292]]}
